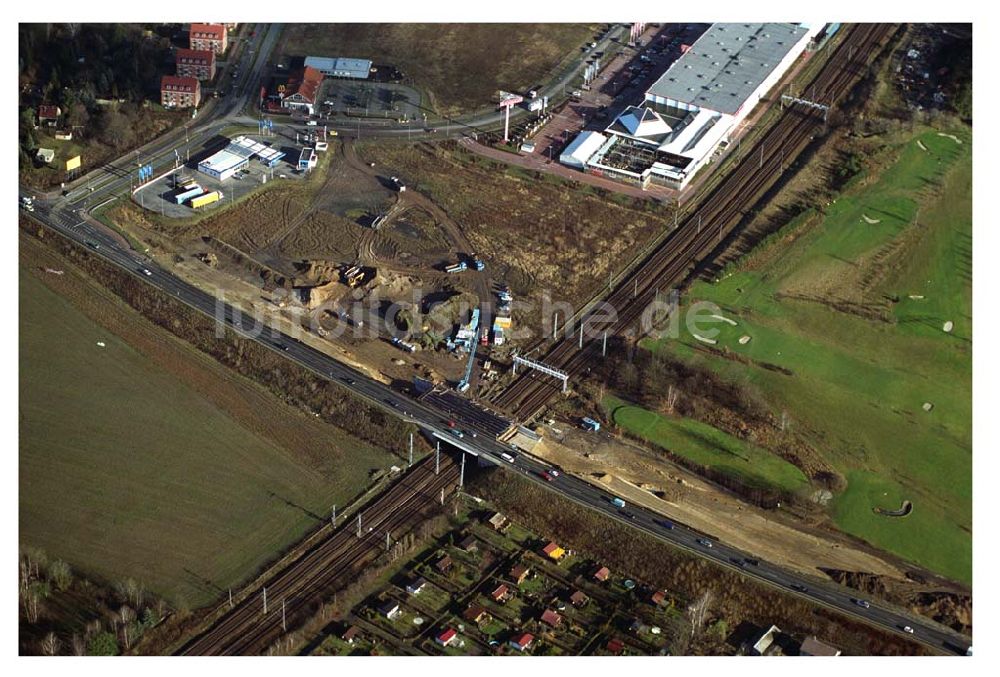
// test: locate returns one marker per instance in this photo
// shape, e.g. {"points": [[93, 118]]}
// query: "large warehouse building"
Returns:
{"points": [[697, 103]]}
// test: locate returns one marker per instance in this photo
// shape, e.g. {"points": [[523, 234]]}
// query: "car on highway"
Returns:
{"points": [[507, 457], [627, 515], [907, 629], [554, 472], [457, 433], [666, 524], [347, 379], [705, 542], [863, 603], [451, 424], [799, 587], [545, 475], [752, 561], [282, 346], [392, 403], [311, 123], [147, 272], [93, 245], [738, 561]]}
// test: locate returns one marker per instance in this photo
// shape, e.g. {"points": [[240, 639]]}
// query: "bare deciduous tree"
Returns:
{"points": [[698, 611], [79, 645], [51, 644], [60, 575], [126, 615]]}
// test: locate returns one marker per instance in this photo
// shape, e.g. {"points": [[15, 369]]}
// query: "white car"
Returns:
{"points": [[907, 629], [147, 272], [311, 123]]}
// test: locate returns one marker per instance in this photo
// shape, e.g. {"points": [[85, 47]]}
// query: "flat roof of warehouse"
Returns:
{"points": [[224, 160], [727, 63], [358, 67]]}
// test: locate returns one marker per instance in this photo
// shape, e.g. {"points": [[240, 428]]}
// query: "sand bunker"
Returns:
{"points": [[724, 319], [950, 136], [869, 220], [922, 146]]}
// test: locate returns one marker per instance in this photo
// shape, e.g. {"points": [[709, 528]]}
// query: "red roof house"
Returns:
{"points": [[446, 637], [522, 642]]}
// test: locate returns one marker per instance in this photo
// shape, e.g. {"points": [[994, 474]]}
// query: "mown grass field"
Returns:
{"points": [[457, 67], [709, 446], [127, 470], [858, 385]]}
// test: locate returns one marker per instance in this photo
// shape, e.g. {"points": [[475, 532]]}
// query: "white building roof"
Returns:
{"points": [[340, 66], [643, 122], [223, 161], [727, 64], [582, 147]]}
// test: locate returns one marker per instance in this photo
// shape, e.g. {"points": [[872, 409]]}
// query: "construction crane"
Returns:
{"points": [[463, 385]]}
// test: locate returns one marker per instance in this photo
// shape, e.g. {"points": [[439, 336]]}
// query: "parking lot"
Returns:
{"points": [[623, 81], [369, 99], [160, 195]]}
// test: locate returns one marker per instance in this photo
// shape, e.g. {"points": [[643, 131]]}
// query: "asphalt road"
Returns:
{"points": [[66, 215]]}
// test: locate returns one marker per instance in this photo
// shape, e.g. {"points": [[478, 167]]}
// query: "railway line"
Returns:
{"points": [[714, 219], [294, 592]]}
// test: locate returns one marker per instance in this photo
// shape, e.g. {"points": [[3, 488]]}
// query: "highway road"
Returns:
{"points": [[67, 216]]}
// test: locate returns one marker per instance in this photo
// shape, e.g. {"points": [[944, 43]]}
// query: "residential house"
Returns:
{"points": [[300, 91], [764, 641], [814, 647], [416, 586], [553, 551], [522, 642], [214, 37], [48, 114], [519, 573], [469, 544], [502, 594], [499, 522], [578, 598], [389, 609], [602, 574], [475, 613], [615, 646], [444, 564], [179, 92], [352, 633], [196, 63], [658, 598], [46, 155], [446, 637], [551, 618], [638, 627]]}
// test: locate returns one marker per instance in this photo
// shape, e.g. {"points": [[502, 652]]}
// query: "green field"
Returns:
{"points": [[709, 446], [126, 471], [816, 301]]}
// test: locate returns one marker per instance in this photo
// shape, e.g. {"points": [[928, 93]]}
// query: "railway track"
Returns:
{"points": [[718, 215], [297, 590]]}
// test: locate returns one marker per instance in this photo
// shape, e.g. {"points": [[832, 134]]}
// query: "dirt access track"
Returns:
{"points": [[696, 503]]}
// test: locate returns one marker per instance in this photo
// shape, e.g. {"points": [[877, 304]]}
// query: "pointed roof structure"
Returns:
{"points": [[644, 122]]}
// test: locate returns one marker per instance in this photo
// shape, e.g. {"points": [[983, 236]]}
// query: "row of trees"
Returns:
{"points": [[69, 614]]}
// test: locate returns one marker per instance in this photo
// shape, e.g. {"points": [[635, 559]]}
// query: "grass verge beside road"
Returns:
{"points": [[708, 446]]}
